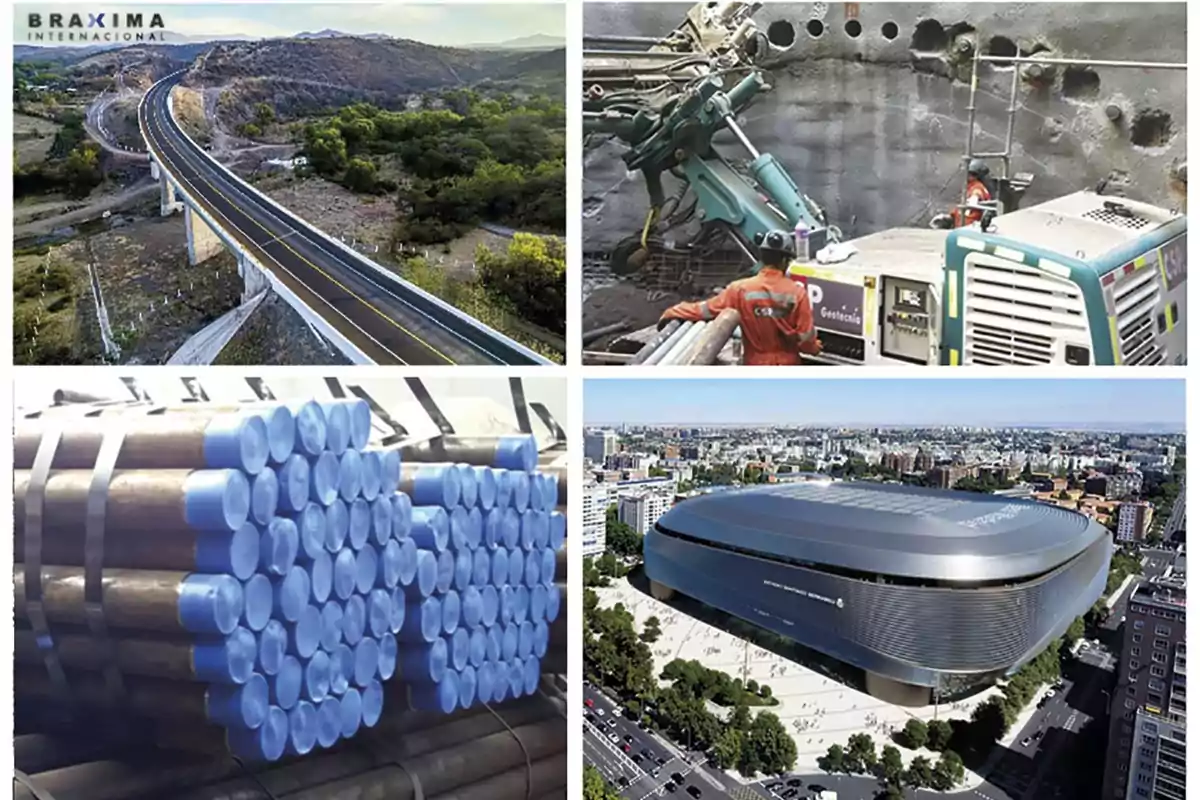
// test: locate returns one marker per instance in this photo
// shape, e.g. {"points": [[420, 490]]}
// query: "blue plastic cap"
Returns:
{"points": [[216, 500], [528, 529], [474, 528], [464, 565], [485, 480], [516, 567], [399, 609], [500, 683], [422, 621], [337, 525], [285, 684], [390, 481], [366, 569], [472, 606], [541, 530], [489, 605], [426, 577], [235, 553], [533, 674], [511, 529], [460, 520], [304, 636], [445, 571], [493, 523], [302, 728], [381, 521], [485, 682], [520, 494], [516, 677], [350, 475], [481, 568], [460, 648], [478, 647], [541, 639], [401, 516], [366, 661], [379, 612], [508, 643], [436, 486], [264, 496], [310, 427], [389, 566], [244, 705], [468, 488], [329, 722], [516, 453], [354, 620], [258, 600], [341, 668], [358, 414], [359, 530], [331, 625], [525, 639], [553, 602], [520, 603], [558, 530], [537, 603], [409, 556], [337, 427], [210, 603], [294, 477], [324, 479], [500, 567], [388, 651], [291, 594], [533, 568], [320, 574], [265, 743], [316, 677], [451, 611], [351, 712], [236, 441], [281, 432], [508, 598], [535, 492], [372, 704], [371, 474], [504, 488], [278, 546], [430, 527], [345, 566], [448, 693], [466, 687], [495, 644], [549, 566], [272, 645], [310, 523]]}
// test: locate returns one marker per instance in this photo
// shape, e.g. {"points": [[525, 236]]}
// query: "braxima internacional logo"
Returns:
{"points": [[99, 27]]}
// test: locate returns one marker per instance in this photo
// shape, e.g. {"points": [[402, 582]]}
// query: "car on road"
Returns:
{"points": [[646, 752], [662, 762], [694, 791], [612, 723], [625, 747], [795, 782], [629, 738], [774, 787], [669, 786], [622, 781], [677, 777], [637, 759], [612, 737], [1028, 740], [1039, 734], [599, 712], [790, 793], [590, 703]]}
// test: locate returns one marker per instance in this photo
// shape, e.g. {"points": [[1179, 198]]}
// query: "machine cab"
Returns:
{"points": [[1083, 279], [882, 305]]}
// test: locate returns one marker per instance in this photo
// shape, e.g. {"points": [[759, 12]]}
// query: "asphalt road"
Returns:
{"points": [[386, 326]]}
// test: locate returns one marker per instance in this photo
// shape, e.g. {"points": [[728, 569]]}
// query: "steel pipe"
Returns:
{"points": [[680, 347], [708, 345], [40, 752], [545, 775], [664, 347]]}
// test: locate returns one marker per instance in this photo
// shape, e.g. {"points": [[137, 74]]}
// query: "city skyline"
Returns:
{"points": [[1092, 404]]}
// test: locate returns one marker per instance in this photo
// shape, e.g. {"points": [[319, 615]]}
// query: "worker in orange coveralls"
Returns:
{"points": [[776, 314], [978, 193]]}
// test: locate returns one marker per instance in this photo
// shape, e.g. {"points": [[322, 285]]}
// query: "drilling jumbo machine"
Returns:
{"points": [[1082, 279]]}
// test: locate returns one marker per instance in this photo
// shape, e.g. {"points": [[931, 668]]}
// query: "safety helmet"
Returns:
{"points": [[777, 242], [979, 168]]}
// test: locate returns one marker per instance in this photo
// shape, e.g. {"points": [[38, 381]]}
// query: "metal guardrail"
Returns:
{"points": [[459, 324]]}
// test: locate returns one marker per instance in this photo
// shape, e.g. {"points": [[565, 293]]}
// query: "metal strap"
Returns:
{"points": [[519, 405], [132, 385], [260, 389], [524, 751], [413, 779], [35, 506], [548, 420], [26, 781], [335, 388], [431, 408], [195, 389], [93, 556]]}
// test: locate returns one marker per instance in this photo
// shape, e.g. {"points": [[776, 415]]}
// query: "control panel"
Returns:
{"points": [[909, 329]]}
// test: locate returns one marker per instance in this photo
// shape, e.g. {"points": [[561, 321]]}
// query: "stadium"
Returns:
{"points": [[929, 592]]}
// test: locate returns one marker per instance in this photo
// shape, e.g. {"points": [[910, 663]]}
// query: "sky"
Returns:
{"points": [[986, 402], [439, 24]]}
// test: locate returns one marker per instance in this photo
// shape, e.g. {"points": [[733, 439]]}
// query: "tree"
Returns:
{"points": [[264, 115], [834, 759], [361, 175], [619, 537], [914, 734], [752, 686], [860, 749], [727, 750], [919, 773], [767, 746], [531, 275], [890, 792], [940, 733], [650, 631], [595, 787], [989, 721], [1075, 631], [764, 692], [891, 765], [948, 772]]}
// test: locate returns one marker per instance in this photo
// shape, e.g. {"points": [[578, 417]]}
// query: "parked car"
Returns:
{"points": [[694, 791]]}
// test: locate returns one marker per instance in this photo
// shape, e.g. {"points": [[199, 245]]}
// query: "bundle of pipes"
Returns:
{"points": [[692, 343], [260, 569]]}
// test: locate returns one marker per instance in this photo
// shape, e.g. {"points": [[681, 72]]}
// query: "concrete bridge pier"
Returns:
{"points": [[254, 280], [202, 241], [169, 201]]}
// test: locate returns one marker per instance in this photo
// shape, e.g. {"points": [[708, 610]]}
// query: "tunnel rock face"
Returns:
{"points": [[869, 107]]}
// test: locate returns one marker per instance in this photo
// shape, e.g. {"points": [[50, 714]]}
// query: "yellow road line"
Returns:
{"points": [[329, 277]]}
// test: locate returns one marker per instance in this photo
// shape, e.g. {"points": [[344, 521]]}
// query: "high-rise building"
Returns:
{"points": [[1147, 739], [599, 445], [641, 509], [1133, 521], [594, 504]]}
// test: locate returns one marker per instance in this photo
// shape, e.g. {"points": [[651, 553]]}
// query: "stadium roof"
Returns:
{"points": [[891, 529]]}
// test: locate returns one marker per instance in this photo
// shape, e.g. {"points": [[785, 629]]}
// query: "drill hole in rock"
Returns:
{"points": [[928, 36], [1001, 46], [1080, 83], [890, 30], [781, 33], [853, 28], [1151, 127], [815, 28]]}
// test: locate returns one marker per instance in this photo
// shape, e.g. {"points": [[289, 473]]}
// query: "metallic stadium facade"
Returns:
{"points": [[924, 590]]}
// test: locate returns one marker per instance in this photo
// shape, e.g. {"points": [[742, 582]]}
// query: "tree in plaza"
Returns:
{"points": [[834, 759], [773, 749], [939, 731], [740, 718], [989, 721], [948, 772], [764, 692], [919, 773], [651, 632], [1075, 630], [915, 734], [727, 749], [861, 749], [891, 765]]}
